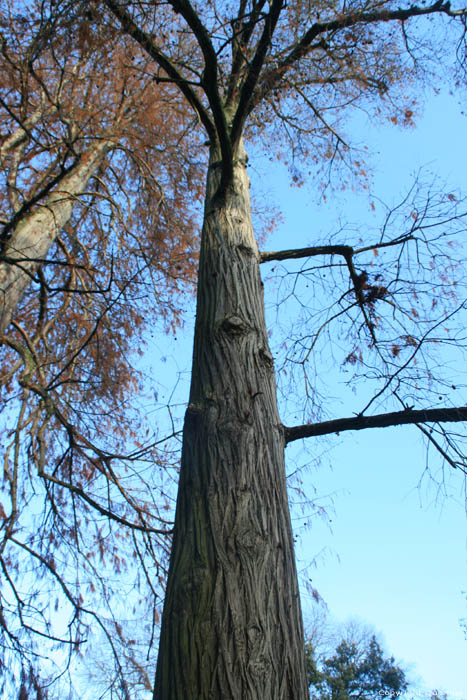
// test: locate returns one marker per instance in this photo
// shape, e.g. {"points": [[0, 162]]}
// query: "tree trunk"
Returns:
{"points": [[232, 626], [22, 133], [35, 232]]}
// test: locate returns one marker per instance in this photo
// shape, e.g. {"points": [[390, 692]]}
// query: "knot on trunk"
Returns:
{"points": [[266, 357], [233, 325]]}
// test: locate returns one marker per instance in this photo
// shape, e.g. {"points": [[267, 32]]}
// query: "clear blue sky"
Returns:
{"points": [[394, 555]]}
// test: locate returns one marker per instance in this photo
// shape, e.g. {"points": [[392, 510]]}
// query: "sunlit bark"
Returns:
{"points": [[35, 232]]}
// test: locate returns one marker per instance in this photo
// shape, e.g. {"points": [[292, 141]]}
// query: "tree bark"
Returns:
{"points": [[232, 625], [35, 232]]}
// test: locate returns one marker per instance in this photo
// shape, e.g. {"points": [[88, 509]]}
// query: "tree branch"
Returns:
{"points": [[347, 252], [296, 253], [382, 420], [209, 81], [251, 80], [318, 29], [29, 203], [339, 249], [240, 39], [145, 41]]}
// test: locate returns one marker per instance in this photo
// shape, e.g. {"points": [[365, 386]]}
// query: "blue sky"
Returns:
{"points": [[392, 555], [395, 552]]}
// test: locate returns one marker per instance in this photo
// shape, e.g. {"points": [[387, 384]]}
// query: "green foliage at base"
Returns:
{"points": [[354, 672]]}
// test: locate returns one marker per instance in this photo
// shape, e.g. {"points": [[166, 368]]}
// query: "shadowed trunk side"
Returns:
{"points": [[232, 624]]}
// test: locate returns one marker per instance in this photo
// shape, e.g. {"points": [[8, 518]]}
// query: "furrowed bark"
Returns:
{"points": [[35, 232], [232, 626]]}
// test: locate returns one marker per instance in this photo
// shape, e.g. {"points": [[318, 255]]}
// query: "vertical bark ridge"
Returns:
{"points": [[232, 624]]}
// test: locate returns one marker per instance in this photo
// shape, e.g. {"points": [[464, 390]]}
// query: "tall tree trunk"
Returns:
{"points": [[232, 626], [35, 232]]}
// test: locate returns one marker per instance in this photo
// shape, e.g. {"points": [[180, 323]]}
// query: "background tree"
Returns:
{"points": [[356, 669], [348, 660], [93, 152]]}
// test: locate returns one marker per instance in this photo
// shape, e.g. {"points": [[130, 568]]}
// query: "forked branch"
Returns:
{"points": [[319, 30], [147, 43]]}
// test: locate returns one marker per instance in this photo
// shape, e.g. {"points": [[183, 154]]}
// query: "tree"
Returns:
{"points": [[354, 671], [55, 144], [75, 188], [289, 73], [232, 626]]}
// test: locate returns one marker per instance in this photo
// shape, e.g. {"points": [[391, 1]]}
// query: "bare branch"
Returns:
{"points": [[320, 29], [256, 64], [383, 420], [297, 253], [209, 81]]}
